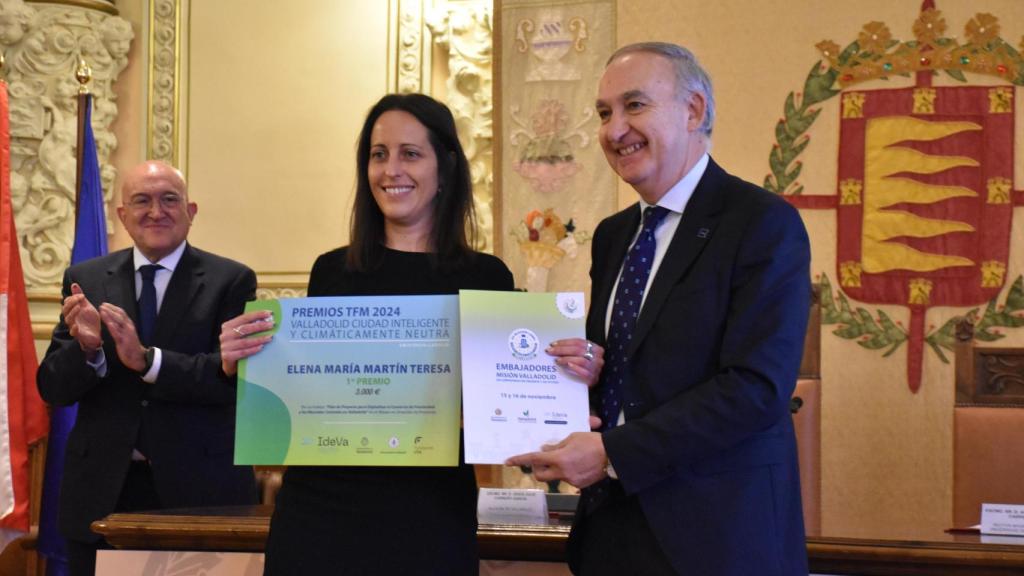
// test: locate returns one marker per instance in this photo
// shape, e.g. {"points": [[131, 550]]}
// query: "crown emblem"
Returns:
{"points": [[876, 54]]}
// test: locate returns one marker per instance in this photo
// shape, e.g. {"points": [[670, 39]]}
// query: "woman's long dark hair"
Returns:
{"points": [[454, 225]]}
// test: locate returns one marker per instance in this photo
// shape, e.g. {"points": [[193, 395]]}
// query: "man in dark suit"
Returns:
{"points": [[137, 348], [699, 307]]}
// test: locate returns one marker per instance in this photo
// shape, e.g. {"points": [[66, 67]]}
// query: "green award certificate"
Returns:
{"points": [[367, 381]]}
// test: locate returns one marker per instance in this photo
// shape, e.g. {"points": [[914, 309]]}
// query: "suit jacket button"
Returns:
{"points": [[145, 403]]}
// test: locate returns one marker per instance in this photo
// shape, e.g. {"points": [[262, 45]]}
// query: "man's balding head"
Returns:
{"points": [[155, 209]]}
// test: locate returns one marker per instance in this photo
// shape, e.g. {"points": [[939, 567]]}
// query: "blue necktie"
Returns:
{"points": [[625, 309], [147, 303]]}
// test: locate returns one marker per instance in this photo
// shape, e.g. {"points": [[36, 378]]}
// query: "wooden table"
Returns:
{"points": [[927, 552]]}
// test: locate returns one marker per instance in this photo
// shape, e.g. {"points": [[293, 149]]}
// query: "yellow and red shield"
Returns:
{"points": [[925, 198]]}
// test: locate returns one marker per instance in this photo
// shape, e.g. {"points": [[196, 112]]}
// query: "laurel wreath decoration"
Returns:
{"points": [[1009, 314], [875, 333], [790, 131], [870, 332]]}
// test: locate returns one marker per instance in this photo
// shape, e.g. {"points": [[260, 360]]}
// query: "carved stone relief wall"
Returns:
{"points": [[464, 31], [271, 291], [43, 44], [272, 285]]}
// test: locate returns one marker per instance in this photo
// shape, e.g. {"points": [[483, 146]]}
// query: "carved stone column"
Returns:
{"points": [[464, 30], [164, 82], [409, 57], [43, 43]]}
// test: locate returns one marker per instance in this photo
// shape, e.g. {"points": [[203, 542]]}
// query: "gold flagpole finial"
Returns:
{"points": [[3, 60], [83, 74]]}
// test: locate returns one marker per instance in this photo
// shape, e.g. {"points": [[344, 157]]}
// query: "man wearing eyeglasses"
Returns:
{"points": [[137, 348]]}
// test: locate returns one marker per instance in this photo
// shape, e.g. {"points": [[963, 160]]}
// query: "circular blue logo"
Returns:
{"points": [[523, 343]]}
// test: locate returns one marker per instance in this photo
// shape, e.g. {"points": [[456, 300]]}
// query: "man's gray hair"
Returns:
{"points": [[690, 77]]}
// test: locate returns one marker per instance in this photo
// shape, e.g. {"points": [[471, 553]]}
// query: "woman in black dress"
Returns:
{"points": [[412, 227]]}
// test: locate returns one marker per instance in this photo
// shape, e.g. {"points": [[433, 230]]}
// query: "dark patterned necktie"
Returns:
{"points": [[625, 309], [147, 303]]}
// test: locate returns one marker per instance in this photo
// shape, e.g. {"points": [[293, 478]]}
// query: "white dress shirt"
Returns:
{"points": [[160, 281], [675, 200]]}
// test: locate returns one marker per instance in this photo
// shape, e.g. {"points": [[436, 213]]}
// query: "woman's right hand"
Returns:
{"points": [[238, 339]]}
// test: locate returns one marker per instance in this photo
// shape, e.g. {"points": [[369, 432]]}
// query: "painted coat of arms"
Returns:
{"points": [[925, 190]]}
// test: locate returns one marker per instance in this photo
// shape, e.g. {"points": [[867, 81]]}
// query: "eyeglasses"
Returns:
{"points": [[143, 203]]}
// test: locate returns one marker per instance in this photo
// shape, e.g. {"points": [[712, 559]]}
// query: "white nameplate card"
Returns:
{"points": [[512, 506], [1006, 519]]}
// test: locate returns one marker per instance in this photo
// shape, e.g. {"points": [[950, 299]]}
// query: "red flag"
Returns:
{"points": [[23, 418]]}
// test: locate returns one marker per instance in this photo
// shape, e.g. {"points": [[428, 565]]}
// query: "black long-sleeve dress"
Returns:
{"points": [[381, 520]]}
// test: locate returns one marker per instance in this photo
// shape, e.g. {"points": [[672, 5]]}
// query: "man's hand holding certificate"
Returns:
{"points": [[516, 399]]}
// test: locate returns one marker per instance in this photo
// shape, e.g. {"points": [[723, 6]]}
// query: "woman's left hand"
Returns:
{"points": [[243, 336], [580, 357]]}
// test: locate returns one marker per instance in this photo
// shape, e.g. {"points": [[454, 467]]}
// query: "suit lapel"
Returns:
{"points": [[185, 283], [119, 285], [697, 226], [621, 236]]}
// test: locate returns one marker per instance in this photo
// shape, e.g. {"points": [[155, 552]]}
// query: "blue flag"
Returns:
{"points": [[90, 242], [91, 227]]}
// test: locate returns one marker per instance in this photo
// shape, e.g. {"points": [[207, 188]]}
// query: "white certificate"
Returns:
{"points": [[515, 399]]}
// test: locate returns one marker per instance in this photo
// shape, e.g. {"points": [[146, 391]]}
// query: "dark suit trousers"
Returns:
{"points": [[618, 540], [138, 493]]}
